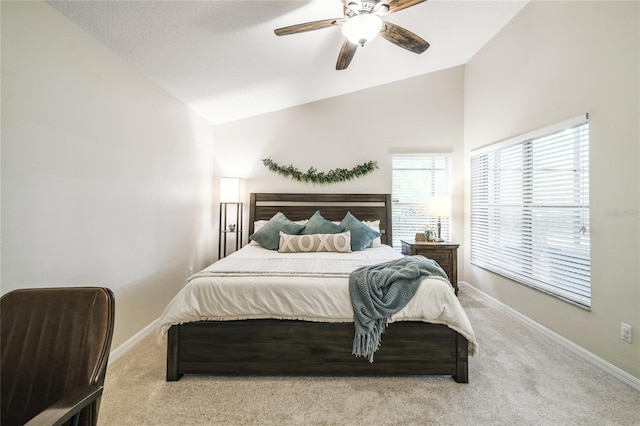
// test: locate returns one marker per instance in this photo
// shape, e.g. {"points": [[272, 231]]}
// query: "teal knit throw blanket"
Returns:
{"points": [[379, 291]]}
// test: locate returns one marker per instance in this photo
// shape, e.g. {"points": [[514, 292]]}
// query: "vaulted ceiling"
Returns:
{"points": [[223, 59]]}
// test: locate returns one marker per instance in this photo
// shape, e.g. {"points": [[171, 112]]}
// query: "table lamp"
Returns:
{"points": [[439, 205]]}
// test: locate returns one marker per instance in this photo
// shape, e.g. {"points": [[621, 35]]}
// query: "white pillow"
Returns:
{"points": [[260, 223], [375, 225], [340, 243]]}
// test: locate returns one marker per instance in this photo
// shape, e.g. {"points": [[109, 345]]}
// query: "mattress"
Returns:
{"points": [[256, 283]]}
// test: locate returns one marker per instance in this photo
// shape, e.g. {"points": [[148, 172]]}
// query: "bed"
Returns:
{"points": [[280, 323]]}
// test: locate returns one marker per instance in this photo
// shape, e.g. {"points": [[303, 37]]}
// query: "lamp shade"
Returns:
{"points": [[361, 29], [439, 205], [229, 190]]}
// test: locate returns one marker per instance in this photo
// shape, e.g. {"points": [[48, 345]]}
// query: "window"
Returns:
{"points": [[417, 179], [530, 210]]}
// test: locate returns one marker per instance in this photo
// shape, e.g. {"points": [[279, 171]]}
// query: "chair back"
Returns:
{"points": [[53, 341]]}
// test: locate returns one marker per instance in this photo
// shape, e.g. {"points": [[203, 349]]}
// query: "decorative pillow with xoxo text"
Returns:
{"points": [[315, 242]]}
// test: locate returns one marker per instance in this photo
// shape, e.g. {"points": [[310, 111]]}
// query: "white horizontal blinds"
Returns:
{"points": [[530, 212], [416, 178]]}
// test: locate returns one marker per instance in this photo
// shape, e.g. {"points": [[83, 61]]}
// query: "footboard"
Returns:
{"points": [[276, 347]]}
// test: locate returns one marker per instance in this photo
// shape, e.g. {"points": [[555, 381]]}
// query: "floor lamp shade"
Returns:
{"points": [[229, 190]]}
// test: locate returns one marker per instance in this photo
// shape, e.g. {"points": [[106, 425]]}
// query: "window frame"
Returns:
{"points": [[540, 237], [420, 208]]}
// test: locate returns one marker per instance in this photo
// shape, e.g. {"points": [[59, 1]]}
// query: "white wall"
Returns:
{"points": [[421, 114], [553, 61], [106, 179]]}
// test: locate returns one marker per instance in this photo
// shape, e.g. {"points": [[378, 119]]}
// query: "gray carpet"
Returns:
{"points": [[520, 377]]}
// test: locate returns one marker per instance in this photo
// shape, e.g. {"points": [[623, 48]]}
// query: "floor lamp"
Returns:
{"points": [[229, 198]]}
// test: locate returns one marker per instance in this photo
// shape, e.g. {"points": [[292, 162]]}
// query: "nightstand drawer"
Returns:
{"points": [[443, 257], [445, 254]]}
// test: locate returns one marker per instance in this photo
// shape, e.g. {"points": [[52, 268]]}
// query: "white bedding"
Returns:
{"points": [[256, 283]]}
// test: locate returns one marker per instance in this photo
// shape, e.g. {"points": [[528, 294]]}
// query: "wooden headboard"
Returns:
{"points": [[333, 207]]}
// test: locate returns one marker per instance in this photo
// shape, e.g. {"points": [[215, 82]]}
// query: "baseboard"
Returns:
{"points": [[598, 362], [115, 354]]}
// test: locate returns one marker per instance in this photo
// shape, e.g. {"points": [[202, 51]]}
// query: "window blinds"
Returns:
{"points": [[416, 178], [530, 210]]}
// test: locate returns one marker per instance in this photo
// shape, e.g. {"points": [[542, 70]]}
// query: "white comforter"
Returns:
{"points": [[256, 283]]}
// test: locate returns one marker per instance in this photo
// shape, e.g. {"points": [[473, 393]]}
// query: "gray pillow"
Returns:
{"points": [[269, 235], [361, 234], [319, 225]]}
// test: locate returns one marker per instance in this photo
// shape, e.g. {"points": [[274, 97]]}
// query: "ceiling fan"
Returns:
{"points": [[361, 24]]}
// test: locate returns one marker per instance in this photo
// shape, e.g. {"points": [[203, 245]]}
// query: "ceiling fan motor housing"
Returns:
{"points": [[354, 8]]}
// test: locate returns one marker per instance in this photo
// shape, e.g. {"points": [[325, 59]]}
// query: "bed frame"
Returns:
{"points": [[287, 347]]}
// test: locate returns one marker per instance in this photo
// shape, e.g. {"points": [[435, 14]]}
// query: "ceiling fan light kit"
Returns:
{"points": [[361, 29], [361, 24]]}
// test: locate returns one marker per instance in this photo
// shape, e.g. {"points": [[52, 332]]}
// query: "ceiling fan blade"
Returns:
{"points": [[309, 26], [346, 55], [396, 5], [403, 38]]}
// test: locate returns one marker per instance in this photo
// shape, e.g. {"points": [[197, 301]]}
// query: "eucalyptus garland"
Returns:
{"points": [[314, 176]]}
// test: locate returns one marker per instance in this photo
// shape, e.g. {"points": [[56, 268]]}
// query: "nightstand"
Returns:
{"points": [[444, 253]]}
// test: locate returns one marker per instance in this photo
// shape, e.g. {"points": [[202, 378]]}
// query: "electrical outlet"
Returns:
{"points": [[625, 332], [190, 270]]}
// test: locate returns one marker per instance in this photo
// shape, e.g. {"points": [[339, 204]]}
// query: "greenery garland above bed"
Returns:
{"points": [[314, 176]]}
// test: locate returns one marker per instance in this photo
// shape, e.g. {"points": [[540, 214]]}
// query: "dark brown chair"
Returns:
{"points": [[54, 345]]}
